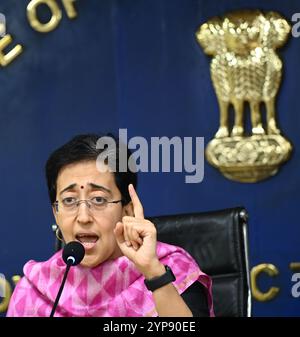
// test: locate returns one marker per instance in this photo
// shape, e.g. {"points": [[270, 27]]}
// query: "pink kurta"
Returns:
{"points": [[113, 289]]}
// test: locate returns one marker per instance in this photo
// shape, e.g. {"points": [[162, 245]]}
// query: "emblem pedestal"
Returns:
{"points": [[248, 159]]}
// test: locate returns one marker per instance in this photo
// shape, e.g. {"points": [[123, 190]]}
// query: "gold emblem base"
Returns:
{"points": [[248, 159]]}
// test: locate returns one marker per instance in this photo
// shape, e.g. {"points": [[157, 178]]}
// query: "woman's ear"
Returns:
{"points": [[54, 210], [128, 209]]}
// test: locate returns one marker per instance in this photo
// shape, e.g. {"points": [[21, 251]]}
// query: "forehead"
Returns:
{"points": [[82, 173]]}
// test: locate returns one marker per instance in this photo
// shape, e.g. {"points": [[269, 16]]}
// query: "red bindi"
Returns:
{"points": [[82, 187]]}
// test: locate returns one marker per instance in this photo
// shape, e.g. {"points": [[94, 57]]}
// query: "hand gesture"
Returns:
{"points": [[136, 236]]}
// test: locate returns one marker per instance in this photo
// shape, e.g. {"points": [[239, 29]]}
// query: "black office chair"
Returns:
{"points": [[218, 242]]}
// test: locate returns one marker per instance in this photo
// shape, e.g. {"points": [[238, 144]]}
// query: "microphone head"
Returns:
{"points": [[73, 253]]}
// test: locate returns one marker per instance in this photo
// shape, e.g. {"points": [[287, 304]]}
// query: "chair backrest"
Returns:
{"points": [[218, 242]]}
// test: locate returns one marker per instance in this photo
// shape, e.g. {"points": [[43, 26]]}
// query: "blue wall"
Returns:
{"points": [[135, 64]]}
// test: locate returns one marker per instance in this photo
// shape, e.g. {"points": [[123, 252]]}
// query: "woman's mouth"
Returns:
{"points": [[88, 240]]}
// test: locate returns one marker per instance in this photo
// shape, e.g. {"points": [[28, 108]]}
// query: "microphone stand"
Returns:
{"points": [[69, 265]]}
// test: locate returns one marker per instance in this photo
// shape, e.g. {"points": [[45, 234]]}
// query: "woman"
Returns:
{"points": [[125, 271]]}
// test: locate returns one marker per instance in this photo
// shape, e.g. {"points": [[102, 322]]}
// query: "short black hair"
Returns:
{"points": [[83, 148]]}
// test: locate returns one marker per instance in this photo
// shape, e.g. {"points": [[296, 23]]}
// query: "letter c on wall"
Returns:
{"points": [[272, 271]]}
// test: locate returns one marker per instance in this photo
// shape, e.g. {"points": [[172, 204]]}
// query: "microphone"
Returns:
{"points": [[72, 254]]}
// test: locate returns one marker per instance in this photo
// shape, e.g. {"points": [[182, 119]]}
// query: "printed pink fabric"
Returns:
{"points": [[113, 289]]}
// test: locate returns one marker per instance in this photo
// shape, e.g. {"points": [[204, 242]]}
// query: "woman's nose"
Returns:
{"points": [[84, 212]]}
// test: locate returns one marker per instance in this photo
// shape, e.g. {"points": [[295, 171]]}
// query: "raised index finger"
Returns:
{"points": [[137, 205]]}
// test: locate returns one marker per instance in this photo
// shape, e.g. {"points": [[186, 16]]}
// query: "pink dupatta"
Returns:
{"points": [[113, 289]]}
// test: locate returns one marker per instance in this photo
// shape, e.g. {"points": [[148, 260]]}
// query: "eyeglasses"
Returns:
{"points": [[70, 205]]}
